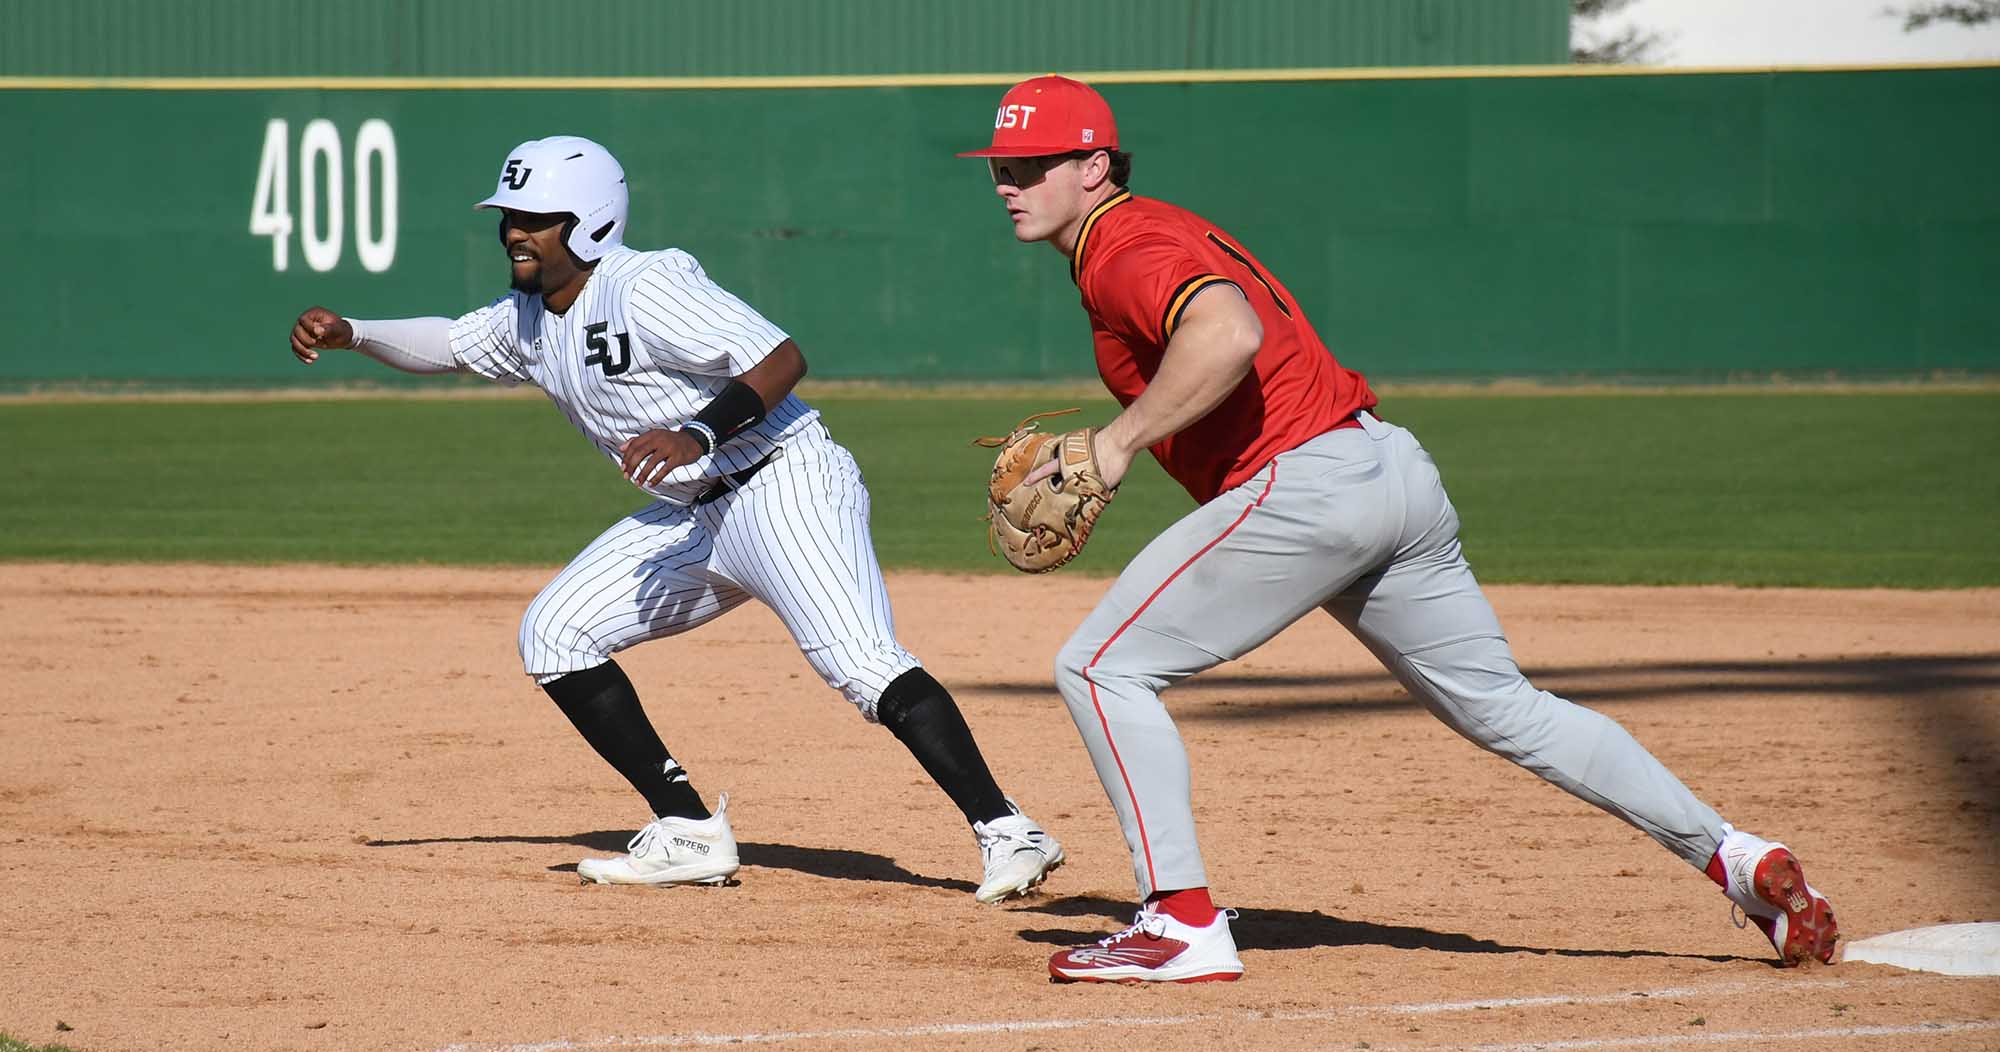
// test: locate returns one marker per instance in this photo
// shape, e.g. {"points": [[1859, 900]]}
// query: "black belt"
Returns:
{"points": [[728, 484]]}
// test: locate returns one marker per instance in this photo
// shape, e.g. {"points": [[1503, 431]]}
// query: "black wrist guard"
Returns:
{"points": [[737, 409]]}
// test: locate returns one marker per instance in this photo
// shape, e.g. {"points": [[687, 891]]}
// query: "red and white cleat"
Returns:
{"points": [[1155, 949], [1767, 884]]}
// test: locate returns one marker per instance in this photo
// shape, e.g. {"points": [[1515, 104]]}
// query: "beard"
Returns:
{"points": [[530, 285]]}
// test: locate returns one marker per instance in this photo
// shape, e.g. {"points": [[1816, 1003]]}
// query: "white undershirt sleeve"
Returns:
{"points": [[414, 345]]}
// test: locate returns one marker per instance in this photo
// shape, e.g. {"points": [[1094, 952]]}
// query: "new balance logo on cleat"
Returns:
{"points": [[1150, 956]]}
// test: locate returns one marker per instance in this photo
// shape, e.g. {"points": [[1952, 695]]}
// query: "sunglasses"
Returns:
{"points": [[1024, 172]]}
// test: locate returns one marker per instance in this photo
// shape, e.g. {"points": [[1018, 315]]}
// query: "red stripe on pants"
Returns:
{"points": [[1144, 844]]}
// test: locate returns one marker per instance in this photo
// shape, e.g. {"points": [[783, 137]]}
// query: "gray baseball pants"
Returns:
{"points": [[1355, 522]]}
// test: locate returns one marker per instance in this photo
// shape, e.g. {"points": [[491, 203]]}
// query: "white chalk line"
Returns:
{"points": [[1015, 1026], [1732, 1037]]}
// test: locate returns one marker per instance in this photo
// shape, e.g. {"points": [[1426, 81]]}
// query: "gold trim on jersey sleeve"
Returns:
{"points": [[1184, 295]]}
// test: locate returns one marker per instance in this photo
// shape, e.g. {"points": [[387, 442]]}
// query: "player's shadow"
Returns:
{"points": [[1951, 692], [1229, 696], [841, 864], [824, 862], [1280, 929]]}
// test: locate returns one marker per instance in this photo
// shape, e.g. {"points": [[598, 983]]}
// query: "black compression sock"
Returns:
{"points": [[920, 713], [605, 709]]}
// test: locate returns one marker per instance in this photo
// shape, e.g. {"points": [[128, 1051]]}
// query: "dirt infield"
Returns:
{"points": [[305, 808]]}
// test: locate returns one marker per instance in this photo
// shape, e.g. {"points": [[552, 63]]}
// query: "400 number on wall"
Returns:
{"points": [[323, 178]]}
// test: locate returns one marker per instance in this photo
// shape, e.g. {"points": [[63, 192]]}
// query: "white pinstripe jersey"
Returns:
{"points": [[648, 342]]}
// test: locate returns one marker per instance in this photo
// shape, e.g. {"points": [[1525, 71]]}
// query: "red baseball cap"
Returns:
{"points": [[1050, 115]]}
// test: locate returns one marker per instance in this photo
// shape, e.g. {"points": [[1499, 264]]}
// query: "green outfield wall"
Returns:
{"points": [[458, 38], [1462, 225]]}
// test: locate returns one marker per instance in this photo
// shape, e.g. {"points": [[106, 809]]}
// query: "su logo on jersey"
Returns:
{"points": [[601, 354], [1014, 116]]}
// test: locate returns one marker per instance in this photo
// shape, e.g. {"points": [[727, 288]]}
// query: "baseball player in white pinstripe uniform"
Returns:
{"points": [[688, 389]]}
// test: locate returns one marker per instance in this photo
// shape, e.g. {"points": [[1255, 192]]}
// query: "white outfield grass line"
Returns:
{"points": [[1016, 1026]]}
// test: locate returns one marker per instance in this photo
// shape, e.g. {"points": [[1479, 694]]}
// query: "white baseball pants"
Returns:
{"points": [[795, 537]]}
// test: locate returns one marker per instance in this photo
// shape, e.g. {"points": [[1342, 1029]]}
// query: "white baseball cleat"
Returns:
{"points": [[1767, 884], [1155, 949], [1017, 855], [672, 851]]}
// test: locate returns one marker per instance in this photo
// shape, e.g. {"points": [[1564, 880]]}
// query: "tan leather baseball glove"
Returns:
{"points": [[1042, 526]]}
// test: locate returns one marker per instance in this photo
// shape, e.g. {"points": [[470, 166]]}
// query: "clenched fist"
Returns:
{"points": [[650, 457], [320, 329]]}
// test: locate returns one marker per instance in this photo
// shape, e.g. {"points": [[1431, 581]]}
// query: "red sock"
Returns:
{"points": [[1716, 872], [1190, 906]]}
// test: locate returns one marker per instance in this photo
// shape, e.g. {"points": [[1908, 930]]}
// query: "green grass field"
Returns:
{"points": [[1893, 489]]}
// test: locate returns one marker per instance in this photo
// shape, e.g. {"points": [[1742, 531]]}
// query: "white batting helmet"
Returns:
{"points": [[567, 173]]}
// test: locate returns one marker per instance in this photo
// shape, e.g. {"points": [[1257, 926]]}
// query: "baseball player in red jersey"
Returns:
{"points": [[1307, 501]]}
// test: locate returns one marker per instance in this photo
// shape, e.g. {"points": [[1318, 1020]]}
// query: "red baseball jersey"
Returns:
{"points": [[1139, 262]]}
